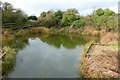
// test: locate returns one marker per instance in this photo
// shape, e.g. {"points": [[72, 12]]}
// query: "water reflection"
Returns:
{"points": [[41, 60], [20, 43], [66, 41], [46, 56]]}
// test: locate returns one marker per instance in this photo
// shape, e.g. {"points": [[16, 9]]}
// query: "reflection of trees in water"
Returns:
{"points": [[17, 42], [66, 41], [56, 40]]}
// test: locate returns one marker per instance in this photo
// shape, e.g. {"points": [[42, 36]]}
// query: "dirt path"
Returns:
{"points": [[103, 62]]}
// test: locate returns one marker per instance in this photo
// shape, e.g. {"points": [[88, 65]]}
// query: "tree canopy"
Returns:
{"points": [[12, 15], [99, 18], [32, 18]]}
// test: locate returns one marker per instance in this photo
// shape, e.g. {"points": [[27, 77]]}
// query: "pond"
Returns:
{"points": [[47, 56]]}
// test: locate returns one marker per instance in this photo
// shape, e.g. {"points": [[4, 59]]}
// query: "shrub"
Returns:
{"points": [[78, 23], [8, 59]]}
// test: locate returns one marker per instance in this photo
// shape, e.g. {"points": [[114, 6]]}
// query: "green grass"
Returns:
{"points": [[115, 46]]}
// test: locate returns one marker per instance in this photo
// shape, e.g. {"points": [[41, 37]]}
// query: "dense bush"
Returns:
{"points": [[78, 23], [67, 19], [106, 19]]}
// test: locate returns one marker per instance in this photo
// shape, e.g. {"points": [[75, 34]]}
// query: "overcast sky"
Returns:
{"points": [[85, 7]]}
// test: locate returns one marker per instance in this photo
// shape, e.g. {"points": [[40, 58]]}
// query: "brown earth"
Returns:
{"points": [[102, 62]]}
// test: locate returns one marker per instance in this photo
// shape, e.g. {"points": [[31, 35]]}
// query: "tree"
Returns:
{"points": [[20, 16], [48, 20], [7, 13], [12, 15], [68, 19], [58, 17], [32, 18], [108, 12], [99, 12], [43, 14], [88, 20], [69, 16], [72, 11], [104, 18], [78, 23]]}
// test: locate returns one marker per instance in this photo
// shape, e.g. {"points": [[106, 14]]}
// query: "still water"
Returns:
{"points": [[53, 56]]}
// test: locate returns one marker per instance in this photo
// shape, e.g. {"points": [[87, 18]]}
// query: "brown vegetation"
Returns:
{"points": [[110, 37], [74, 29], [103, 62], [40, 30], [92, 31]]}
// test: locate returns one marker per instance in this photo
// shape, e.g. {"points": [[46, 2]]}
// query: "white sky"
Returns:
{"points": [[85, 7]]}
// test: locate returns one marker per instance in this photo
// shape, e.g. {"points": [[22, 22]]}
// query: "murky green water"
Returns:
{"points": [[47, 56]]}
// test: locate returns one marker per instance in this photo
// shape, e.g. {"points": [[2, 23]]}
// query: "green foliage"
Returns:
{"points": [[68, 19], [58, 17], [72, 11], [12, 15], [32, 18], [43, 14], [88, 20], [8, 59], [112, 23], [106, 19], [108, 12], [67, 41], [101, 18], [78, 23], [49, 20], [99, 21], [99, 12], [58, 14]]}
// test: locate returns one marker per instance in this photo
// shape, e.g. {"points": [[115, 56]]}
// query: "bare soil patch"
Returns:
{"points": [[103, 62]]}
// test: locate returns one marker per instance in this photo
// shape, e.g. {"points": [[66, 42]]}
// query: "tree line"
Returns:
{"points": [[100, 18]]}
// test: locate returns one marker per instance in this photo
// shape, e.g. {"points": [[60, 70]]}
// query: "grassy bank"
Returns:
{"points": [[8, 60]]}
